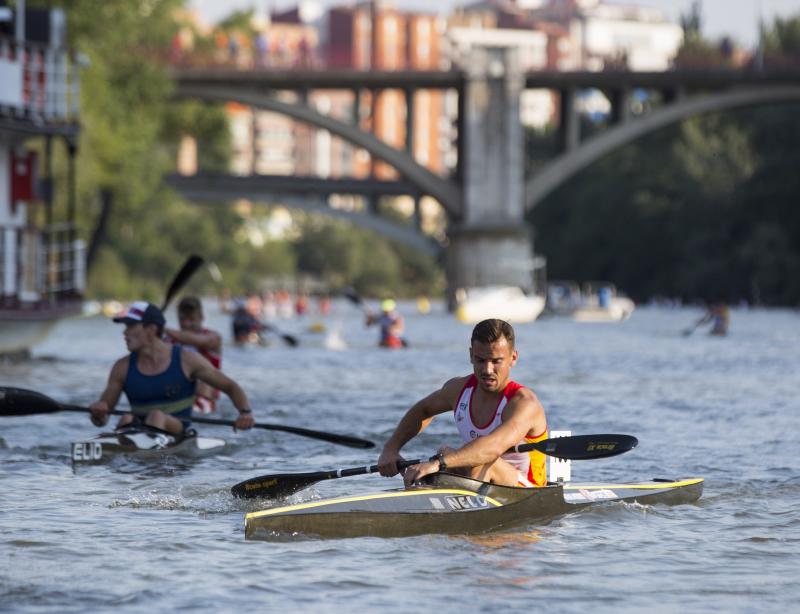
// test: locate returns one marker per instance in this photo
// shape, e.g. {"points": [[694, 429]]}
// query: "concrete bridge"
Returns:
{"points": [[487, 197]]}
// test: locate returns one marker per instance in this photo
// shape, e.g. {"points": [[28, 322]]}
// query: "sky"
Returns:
{"points": [[735, 18]]}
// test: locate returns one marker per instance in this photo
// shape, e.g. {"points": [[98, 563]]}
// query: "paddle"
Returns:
{"points": [[187, 270], [22, 402], [354, 297], [579, 447], [690, 330], [288, 339]]}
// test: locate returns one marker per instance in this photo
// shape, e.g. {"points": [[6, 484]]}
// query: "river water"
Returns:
{"points": [[161, 536]]}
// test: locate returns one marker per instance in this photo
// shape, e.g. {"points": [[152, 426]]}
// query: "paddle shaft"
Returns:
{"points": [[22, 402], [578, 447], [345, 440], [289, 339], [187, 270]]}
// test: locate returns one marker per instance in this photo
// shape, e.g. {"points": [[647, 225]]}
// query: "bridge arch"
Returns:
{"points": [[212, 190], [446, 192], [559, 170]]}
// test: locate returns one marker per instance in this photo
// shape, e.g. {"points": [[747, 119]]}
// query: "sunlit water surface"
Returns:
{"points": [[164, 536]]}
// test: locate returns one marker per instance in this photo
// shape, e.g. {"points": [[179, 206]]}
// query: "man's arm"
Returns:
{"points": [[199, 368], [414, 422], [109, 397], [203, 340], [524, 413]]}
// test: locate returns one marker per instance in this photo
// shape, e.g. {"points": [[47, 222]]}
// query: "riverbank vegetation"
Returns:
{"points": [[703, 210]]}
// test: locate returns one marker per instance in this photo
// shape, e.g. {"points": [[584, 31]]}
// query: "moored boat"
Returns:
{"points": [[508, 303], [142, 442], [595, 302], [451, 504]]}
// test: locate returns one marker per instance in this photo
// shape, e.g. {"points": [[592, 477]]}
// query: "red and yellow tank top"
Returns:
{"points": [[204, 391], [533, 464]]}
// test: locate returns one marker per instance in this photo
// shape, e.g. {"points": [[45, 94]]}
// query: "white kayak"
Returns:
{"points": [[143, 442]]}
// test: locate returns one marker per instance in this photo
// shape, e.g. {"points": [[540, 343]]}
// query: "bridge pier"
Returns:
{"points": [[490, 243]]}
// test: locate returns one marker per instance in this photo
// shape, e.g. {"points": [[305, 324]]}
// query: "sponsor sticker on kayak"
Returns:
{"points": [[584, 494], [460, 503], [87, 451]]}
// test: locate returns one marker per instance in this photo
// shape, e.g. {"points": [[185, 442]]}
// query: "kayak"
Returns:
{"points": [[451, 504], [142, 442]]}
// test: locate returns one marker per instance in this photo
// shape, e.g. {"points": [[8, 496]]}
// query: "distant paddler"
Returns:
{"points": [[718, 315], [246, 323], [390, 323], [492, 414], [193, 336], [159, 378]]}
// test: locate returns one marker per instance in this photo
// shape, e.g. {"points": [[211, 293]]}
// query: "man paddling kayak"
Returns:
{"points": [[159, 378], [390, 323], [194, 336], [491, 412]]}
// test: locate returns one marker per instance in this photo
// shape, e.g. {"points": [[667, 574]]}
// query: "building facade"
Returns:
{"points": [[42, 260]]}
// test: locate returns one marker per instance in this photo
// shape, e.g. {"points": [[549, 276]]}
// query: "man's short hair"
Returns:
{"points": [[190, 305], [492, 330]]}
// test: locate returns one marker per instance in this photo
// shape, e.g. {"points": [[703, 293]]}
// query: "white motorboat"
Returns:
{"points": [[507, 303], [594, 302]]}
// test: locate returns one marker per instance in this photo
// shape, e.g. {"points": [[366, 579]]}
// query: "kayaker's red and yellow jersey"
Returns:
{"points": [[533, 464], [204, 391]]}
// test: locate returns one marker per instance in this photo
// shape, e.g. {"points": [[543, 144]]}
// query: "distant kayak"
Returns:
{"points": [[142, 442]]}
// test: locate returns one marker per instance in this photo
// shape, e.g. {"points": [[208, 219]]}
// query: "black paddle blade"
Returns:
{"points": [[285, 484], [274, 486], [290, 340], [21, 402], [187, 270], [584, 447], [351, 295]]}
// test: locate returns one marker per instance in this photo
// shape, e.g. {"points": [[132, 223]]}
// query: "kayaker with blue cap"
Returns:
{"points": [[390, 323], [159, 378], [492, 414]]}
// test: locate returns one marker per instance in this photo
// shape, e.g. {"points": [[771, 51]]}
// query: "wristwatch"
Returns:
{"points": [[440, 457], [246, 411]]}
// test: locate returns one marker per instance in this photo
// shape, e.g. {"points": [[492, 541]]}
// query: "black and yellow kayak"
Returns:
{"points": [[451, 504]]}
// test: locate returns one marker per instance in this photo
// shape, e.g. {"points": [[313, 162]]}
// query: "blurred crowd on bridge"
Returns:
{"points": [[555, 35]]}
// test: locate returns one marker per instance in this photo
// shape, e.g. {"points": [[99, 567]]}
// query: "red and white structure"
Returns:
{"points": [[42, 269]]}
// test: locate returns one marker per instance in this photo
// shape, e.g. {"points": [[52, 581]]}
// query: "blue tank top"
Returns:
{"points": [[171, 391]]}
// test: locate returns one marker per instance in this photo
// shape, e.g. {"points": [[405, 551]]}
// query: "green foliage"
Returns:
{"points": [[702, 210], [342, 255], [783, 41], [131, 130], [239, 21], [208, 124]]}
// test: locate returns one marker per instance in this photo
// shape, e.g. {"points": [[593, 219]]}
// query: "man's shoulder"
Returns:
{"points": [[522, 391], [523, 397], [456, 384], [120, 365]]}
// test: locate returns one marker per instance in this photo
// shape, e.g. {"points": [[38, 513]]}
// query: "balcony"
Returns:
{"points": [[40, 91], [41, 268]]}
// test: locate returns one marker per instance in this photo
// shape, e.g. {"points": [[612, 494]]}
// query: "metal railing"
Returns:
{"points": [[41, 264], [40, 82]]}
